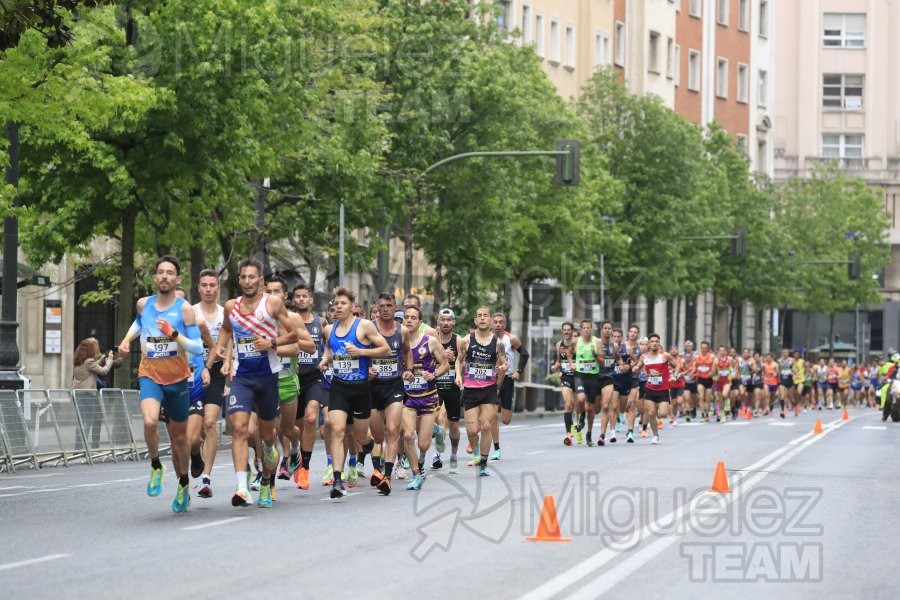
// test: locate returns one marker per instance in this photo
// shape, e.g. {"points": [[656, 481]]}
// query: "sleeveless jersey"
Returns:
{"points": [[510, 354], [688, 367], [423, 362], [636, 353], [657, 370], [448, 380], [346, 367], [785, 365], [564, 358], [585, 361], [162, 360], [247, 327], [723, 367], [799, 372], [309, 363], [677, 382], [821, 374], [608, 352], [625, 358], [388, 368], [770, 373], [704, 366], [744, 370], [214, 326], [480, 363]]}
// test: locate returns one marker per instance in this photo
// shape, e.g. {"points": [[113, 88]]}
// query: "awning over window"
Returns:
{"points": [[26, 276]]}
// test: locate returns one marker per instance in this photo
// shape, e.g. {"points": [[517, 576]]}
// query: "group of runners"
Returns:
{"points": [[624, 377], [387, 388]]}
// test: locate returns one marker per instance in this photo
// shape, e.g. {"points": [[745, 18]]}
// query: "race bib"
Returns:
{"points": [[344, 364], [587, 365], [385, 367], [785, 372], [608, 363], [703, 369], [724, 373], [564, 367], [480, 371], [418, 384], [245, 348], [655, 379], [161, 347], [308, 359]]}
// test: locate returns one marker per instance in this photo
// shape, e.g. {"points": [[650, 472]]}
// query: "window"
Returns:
{"points": [[526, 24], [670, 58], [653, 53], [844, 30], [763, 19], [601, 49], [842, 91], [570, 46], [762, 90], [743, 88], [722, 12], [620, 43], [693, 70], [722, 78], [554, 41], [504, 12], [694, 8], [842, 145], [744, 15], [762, 158], [539, 35], [677, 60]]}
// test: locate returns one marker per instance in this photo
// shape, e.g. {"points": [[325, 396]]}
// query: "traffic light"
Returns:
{"points": [[568, 166], [739, 242], [853, 267]]}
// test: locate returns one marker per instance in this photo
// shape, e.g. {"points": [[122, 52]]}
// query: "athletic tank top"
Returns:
{"points": [[657, 370], [821, 373], [247, 327], [564, 367], [309, 363], [785, 365], [585, 361], [162, 360], [388, 368], [689, 375], [423, 362], [608, 352], [448, 379], [799, 371], [510, 354], [480, 363], [213, 326], [744, 370], [626, 361], [704, 366], [756, 375], [346, 367], [677, 382], [636, 353], [723, 368], [770, 373]]}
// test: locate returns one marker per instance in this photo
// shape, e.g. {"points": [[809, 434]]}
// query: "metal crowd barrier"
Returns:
{"points": [[38, 427]]}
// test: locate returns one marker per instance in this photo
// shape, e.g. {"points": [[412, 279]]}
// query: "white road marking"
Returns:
{"points": [[536, 452], [214, 523], [781, 424], [15, 487], [737, 423], [32, 561], [876, 427], [575, 575]]}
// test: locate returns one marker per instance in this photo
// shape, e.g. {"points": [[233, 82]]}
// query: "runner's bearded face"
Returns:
{"points": [[567, 332], [302, 300], [166, 277], [446, 324], [249, 280]]}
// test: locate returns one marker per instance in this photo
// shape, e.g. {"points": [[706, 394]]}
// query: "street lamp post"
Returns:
{"points": [[9, 348]]}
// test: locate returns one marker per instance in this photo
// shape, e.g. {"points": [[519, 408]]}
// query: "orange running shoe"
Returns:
{"points": [[301, 478]]}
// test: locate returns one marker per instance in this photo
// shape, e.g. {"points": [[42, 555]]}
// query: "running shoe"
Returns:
{"points": [[629, 437], [404, 462], [352, 477], [436, 462], [265, 497], [400, 472], [294, 463], [270, 457], [376, 478], [416, 483], [154, 486], [612, 438], [384, 486], [283, 472], [476, 460], [659, 423], [182, 498], [484, 473], [655, 439], [601, 441], [469, 448], [257, 481], [454, 466], [328, 478], [360, 470], [567, 441], [782, 414], [205, 489], [644, 433], [301, 478], [338, 491], [197, 466], [241, 497], [590, 443], [579, 437], [495, 455]]}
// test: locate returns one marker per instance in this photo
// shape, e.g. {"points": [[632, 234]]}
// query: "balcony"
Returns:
{"points": [[875, 170]]}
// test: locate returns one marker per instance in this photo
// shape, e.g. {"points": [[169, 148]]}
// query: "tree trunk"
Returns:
{"points": [[126, 312], [831, 335], [196, 267], [678, 332], [714, 311], [408, 252], [438, 284], [731, 329], [231, 264]]}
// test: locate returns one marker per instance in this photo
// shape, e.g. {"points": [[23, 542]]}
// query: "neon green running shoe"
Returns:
{"points": [[154, 486]]}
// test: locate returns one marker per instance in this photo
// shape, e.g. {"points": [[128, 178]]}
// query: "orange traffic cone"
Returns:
{"points": [[720, 481], [846, 416], [548, 527], [818, 428]]}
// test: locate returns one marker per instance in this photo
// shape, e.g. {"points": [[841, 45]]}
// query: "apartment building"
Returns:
{"points": [[837, 97]]}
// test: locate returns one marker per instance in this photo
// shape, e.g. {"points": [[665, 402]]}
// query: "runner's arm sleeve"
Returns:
{"points": [[523, 359], [191, 341], [133, 331]]}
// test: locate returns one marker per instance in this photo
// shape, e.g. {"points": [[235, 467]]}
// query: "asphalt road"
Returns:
{"points": [[809, 516]]}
